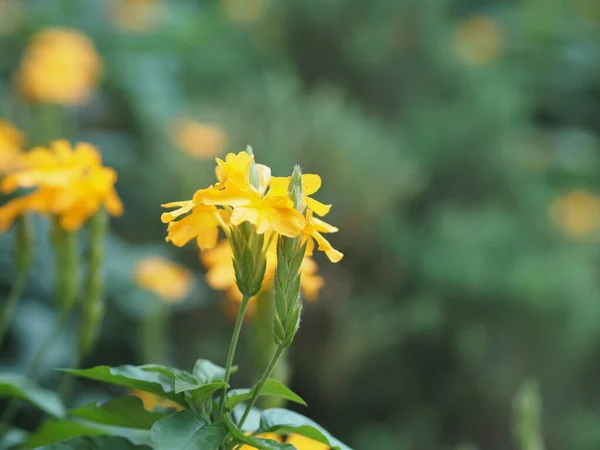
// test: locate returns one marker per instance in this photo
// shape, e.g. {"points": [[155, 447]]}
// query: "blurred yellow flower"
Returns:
{"points": [[478, 40], [170, 281], [136, 15], [12, 142], [243, 11], [297, 440], [577, 213], [220, 274], [197, 139], [152, 401], [70, 183], [271, 436], [60, 66]]}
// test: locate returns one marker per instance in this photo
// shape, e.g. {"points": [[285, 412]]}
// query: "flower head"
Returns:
{"points": [[313, 233], [69, 183], [172, 282], [253, 209], [60, 66]]}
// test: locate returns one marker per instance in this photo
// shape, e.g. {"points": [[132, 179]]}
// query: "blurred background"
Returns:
{"points": [[458, 142]]}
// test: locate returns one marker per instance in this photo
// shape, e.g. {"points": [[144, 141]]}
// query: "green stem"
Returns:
{"points": [[232, 346], [261, 383], [23, 259], [154, 334], [8, 311]]}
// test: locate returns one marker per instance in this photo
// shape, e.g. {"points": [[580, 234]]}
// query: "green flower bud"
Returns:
{"points": [[290, 254], [249, 258], [254, 177]]}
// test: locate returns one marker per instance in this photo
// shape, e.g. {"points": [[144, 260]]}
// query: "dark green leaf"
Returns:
{"points": [[260, 444], [96, 443], [23, 389], [133, 377], [53, 431], [282, 420], [272, 387], [127, 411], [184, 430]]}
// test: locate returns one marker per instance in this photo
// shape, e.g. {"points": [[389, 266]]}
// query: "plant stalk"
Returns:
{"points": [[232, 346]]}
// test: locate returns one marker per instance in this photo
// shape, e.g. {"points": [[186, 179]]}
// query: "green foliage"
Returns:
{"points": [[186, 431], [95, 443], [23, 389], [127, 411], [271, 387]]}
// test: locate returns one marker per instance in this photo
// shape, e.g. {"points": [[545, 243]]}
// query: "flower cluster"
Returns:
{"points": [[71, 184], [60, 66], [247, 193]]}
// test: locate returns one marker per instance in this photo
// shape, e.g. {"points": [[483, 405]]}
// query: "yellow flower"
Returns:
{"points": [[310, 184], [71, 184], [152, 401], [220, 274], [202, 223], [577, 213], [11, 145], [172, 282], [478, 40], [60, 66], [197, 139], [136, 15], [312, 232], [304, 443]]}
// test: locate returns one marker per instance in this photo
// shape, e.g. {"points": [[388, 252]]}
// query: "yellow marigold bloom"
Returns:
{"points": [[152, 401], [220, 274], [577, 213], [70, 183], [136, 15], [12, 142], [172, 282], [60, 66], [304, 443], [478, 40], [197, 139], [312, 232]]}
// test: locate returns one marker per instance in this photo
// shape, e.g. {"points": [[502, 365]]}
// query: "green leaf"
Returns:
{"points": [[201, 392], [127, 411], [52, 431], [24, 389], [260, 444], [206, 371], [282, 420], [184, 430], [13, 438], [133, 377], [96, 443], [272, 387]]}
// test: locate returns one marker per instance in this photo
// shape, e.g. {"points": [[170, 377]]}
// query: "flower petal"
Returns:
{"points": [[319, 208], [310, 183], [322, 227], [184, 207]]}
